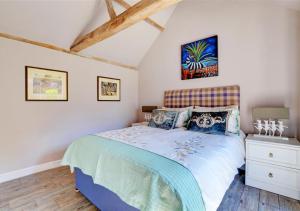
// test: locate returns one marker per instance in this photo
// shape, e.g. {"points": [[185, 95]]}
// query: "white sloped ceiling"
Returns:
{"points": [[60, 22]]}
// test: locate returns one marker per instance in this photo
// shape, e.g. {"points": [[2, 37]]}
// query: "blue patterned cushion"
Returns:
{"points": [[209, 122], [163, 119]]}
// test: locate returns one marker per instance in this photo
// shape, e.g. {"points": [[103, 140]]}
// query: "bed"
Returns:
{"points": [[145, 168]]}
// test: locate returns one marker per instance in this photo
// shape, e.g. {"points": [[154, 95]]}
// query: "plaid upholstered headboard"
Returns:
{"points": [[205, 97]]}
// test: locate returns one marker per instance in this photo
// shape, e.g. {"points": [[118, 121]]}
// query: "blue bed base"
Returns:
{"points": [[101, 197]]}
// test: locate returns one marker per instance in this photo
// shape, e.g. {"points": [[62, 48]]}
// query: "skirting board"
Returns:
{"points": [[28, 171]]}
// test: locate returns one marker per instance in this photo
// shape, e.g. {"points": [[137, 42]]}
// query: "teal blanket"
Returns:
{"points": [[141, 178]]}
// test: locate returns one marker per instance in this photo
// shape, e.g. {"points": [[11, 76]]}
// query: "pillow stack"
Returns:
{"points": [[213, 120], [209, 122], [170, 118], [233, 118], [184, 115], [163, 119]]}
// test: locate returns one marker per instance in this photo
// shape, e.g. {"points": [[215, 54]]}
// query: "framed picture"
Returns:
{"points": [[45, 84], [199, 59], [108, 89]]}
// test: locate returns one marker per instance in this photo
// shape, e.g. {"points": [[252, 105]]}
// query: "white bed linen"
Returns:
{"points": [[212, 159]]}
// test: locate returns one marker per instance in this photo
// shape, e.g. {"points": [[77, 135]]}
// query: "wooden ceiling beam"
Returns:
{"points": [[110, 9], [56, 48], [134, 14], [147, 20]]}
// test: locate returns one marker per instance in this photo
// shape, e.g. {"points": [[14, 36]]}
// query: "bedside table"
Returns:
{"points": [[139, 124], [273, 165]]}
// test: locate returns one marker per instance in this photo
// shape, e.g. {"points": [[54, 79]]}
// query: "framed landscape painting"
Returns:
{"points": [[199, 59], [108, 89], [45, 84]]}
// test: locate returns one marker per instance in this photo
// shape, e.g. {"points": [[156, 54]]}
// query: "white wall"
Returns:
{"points": [[38, 132], [258, 50]]}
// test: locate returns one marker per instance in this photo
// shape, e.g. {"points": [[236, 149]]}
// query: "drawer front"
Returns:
{"points": [[273, 154], [285, 177]]}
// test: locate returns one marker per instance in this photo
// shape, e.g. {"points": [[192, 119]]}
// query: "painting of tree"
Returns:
{"points": [[199, 59]]}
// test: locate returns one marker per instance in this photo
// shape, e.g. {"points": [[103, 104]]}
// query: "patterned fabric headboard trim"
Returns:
{"points": [[205, 97]]}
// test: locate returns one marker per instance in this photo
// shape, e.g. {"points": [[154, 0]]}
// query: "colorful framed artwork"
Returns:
{"points": [[199, 59], [108, 89], [45, 84]]}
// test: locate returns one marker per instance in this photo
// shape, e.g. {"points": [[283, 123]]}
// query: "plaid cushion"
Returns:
{"points": [[206, 97]]}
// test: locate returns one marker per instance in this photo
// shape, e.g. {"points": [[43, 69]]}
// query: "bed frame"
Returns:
{"points": [[101, 197], [106, 200]]}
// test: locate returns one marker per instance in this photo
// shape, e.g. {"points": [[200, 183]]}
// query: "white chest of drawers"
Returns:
{"points": [[273, 165]]}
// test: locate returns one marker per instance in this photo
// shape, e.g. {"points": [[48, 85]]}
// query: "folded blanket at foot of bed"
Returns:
{"points": [[142, 179]]}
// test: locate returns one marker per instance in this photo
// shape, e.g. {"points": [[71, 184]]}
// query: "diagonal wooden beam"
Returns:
{"points": [[110, 9], [134, 14], [56, 48], [148, 20]]}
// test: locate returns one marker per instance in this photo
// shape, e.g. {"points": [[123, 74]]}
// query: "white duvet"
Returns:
{"points": [[212, 159]]}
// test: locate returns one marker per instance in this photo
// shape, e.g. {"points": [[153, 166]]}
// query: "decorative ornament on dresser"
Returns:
{"points": [[199, 59], [258, 126], [270, 121]]}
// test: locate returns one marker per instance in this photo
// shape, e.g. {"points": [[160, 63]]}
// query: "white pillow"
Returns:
{"points": [[233, 125], [183, 116]]}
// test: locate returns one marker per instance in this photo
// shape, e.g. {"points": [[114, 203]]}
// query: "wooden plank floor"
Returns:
{"points": [[54, 190], [245, 198]]}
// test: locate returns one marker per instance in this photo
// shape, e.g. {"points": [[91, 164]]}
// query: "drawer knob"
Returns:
{"points": [[270, 154], [270, 175]]}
